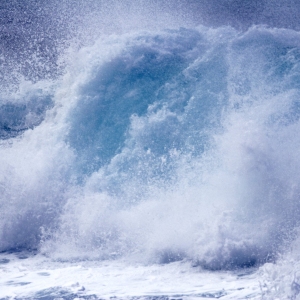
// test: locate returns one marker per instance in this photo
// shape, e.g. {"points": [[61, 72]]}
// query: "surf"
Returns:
{"points": [[152, 146]]}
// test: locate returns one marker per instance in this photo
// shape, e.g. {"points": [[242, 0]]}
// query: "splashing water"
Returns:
{"points": [[156, 146]]}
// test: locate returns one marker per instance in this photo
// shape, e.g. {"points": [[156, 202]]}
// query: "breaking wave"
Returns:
{"points": [[158, 146]]}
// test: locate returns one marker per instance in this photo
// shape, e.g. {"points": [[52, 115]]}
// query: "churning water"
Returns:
{"points": [[156, 146]]}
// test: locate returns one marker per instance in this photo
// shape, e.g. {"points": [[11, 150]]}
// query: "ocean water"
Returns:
{"points": [[149, 162]]}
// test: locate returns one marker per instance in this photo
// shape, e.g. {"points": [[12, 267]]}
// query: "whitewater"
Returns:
{"points": [[150, 162]]}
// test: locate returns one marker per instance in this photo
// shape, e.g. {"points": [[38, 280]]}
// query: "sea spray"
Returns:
{"points": [[160, 146]]}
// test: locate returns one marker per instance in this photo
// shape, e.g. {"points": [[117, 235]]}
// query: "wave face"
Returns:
{"points": [[158, 146]]}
